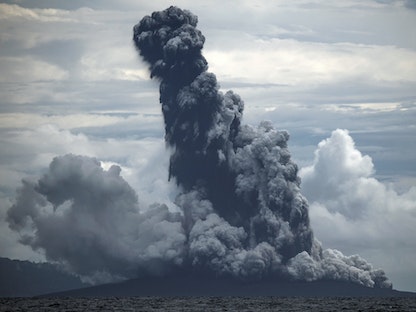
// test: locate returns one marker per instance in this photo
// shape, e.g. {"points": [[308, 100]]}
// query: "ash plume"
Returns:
{"points": [[257, 223], [240, 210], [245, 172]]}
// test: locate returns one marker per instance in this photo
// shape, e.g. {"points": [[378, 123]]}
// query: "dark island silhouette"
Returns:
{"points": [[28, 279], [25, 279], [200, 286]]}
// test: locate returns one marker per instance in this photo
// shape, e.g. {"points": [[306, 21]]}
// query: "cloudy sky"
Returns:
{"points": [[71, 82]]}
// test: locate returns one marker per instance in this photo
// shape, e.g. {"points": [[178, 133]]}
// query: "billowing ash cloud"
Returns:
{"points": [[88, 219], [240, 210]]}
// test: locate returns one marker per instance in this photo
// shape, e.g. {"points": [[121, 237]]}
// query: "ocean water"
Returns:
{"points": [[206, 304]]}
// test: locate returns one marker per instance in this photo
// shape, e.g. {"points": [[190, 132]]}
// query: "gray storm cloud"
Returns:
{"points": [[240, 210]]}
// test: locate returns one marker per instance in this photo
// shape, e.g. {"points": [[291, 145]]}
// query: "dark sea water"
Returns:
{"points": [[207, 304]]}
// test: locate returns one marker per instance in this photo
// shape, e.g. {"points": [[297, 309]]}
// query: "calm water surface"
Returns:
{"points": [[207, 304]]}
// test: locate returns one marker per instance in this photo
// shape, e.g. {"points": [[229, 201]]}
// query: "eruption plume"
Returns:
{"points": [[245, 172], [241, 212]]}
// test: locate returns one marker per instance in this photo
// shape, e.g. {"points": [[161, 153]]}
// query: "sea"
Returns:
{"points": [[206, 304]]}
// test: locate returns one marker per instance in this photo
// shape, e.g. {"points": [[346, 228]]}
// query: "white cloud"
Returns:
{"points": [[112, 63], [26, 152], [307, 63], [8, 11], [28, 69], [31, 120], [351, 210]]}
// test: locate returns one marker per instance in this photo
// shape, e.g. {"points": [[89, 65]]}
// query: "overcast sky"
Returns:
{"points": [[71, 82]]}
